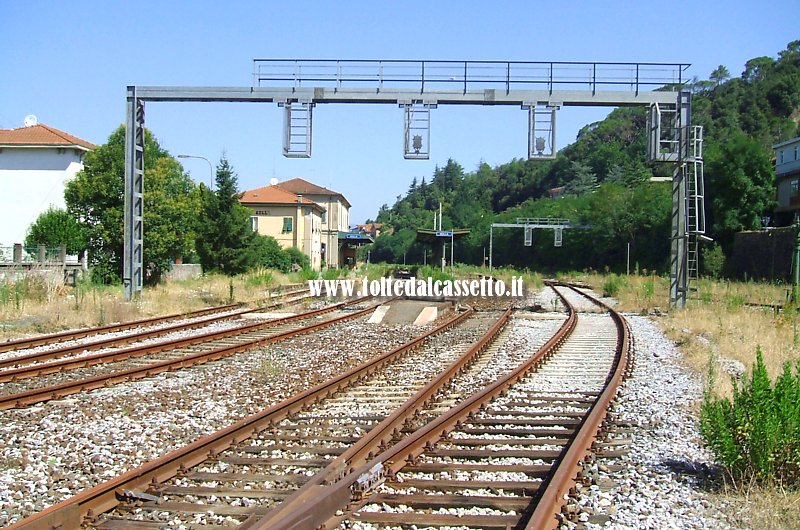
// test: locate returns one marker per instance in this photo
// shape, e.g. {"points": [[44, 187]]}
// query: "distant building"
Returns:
{"points": [[335, 215], [35, 163], [787, 178], [293, 220], [372, 229]]}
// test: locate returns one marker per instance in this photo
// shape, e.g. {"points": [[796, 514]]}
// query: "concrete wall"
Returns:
{"points": [[32, 180], [184, 271]]}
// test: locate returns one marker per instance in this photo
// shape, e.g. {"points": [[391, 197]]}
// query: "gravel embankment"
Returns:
{"points": [[661, 484]]}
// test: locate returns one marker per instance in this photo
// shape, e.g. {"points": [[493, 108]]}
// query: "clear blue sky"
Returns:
{"points": [[69, 63]]}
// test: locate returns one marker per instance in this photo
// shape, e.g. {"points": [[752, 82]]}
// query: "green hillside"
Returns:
{"points": [[606, 184]]}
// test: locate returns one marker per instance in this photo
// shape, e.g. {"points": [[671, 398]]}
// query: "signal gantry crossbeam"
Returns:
{"points": [[540, 88]]}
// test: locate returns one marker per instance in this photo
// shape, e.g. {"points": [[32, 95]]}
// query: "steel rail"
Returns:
{"points": [[33, 370], [385, 433], [38, 395], [87, 504], [52, 338], [545, 514], [319, 507]]}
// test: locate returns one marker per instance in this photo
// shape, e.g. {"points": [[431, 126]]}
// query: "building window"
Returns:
{"points": [[780, 156], [325, 215], [797, 152], [287, 225], [794, 187], [254, 224]]}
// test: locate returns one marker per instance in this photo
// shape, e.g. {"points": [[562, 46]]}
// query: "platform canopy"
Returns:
{"points": [[355, 238], [435, 236]]}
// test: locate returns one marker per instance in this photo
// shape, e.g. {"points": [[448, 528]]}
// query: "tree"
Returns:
{"points": [[720, 74], [740, 173], [96, 198], [225, 241], [268, 253], [54, 228], [583, 180], [171, 208], [755, 69]]}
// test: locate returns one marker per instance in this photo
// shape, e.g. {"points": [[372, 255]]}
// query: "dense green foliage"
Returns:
{"points": [[95, 197], [54, 228], [756, 435], [602, 180], [179, 217]]}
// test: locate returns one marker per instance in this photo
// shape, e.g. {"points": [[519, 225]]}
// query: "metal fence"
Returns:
{"points": [[21, 255], [466, 75]]}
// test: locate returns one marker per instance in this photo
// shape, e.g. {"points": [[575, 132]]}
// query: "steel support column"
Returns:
{"points": [[678, 277], [133, 269], [679, 235]]}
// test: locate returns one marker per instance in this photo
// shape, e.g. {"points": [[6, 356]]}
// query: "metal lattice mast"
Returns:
{"points": [[133, 268]]}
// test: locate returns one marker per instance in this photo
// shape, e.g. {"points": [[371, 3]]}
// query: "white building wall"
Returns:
{"points": [[787, 157], [32, 180]]}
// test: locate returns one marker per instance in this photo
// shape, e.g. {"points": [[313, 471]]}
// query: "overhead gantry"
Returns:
{"points": [[418, 87]]}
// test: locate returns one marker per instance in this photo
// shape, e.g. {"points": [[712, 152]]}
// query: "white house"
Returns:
{"points": [[35, 163]]}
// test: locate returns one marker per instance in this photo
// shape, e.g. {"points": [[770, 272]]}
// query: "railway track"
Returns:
{"points": [[392, 444], [503, 458], [47, 346], [290, 417], [40, 382]]}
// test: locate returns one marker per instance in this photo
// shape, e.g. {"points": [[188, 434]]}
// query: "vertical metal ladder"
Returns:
{"points": [[695, 200], [297, 121]]}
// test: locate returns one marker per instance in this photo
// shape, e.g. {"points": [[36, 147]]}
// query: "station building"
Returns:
{"points": [[303, 215]]}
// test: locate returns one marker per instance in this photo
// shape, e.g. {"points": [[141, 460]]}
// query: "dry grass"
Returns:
{"points": [[30, 306], [718, 324], [765, 509]]}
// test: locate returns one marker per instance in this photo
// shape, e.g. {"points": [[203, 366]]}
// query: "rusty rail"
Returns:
{"points": [[545, 515], [382, 435], [317, 509], [139, 351], [55, 353], [74, 511], [38, 395], [319, 505]]}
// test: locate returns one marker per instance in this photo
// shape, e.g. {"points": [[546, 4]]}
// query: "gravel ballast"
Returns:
{"points": [[661, 483], [54, 450]]}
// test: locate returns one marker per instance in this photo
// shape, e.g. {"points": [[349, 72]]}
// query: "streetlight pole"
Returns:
{"points": [[210, 168]]}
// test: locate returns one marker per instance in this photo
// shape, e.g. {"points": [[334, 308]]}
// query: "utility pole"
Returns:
{"points": [[796, 281]]}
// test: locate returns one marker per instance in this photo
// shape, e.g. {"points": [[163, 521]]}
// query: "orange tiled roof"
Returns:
{"points": [[273, 195], [41, 136], [304, 187]]}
